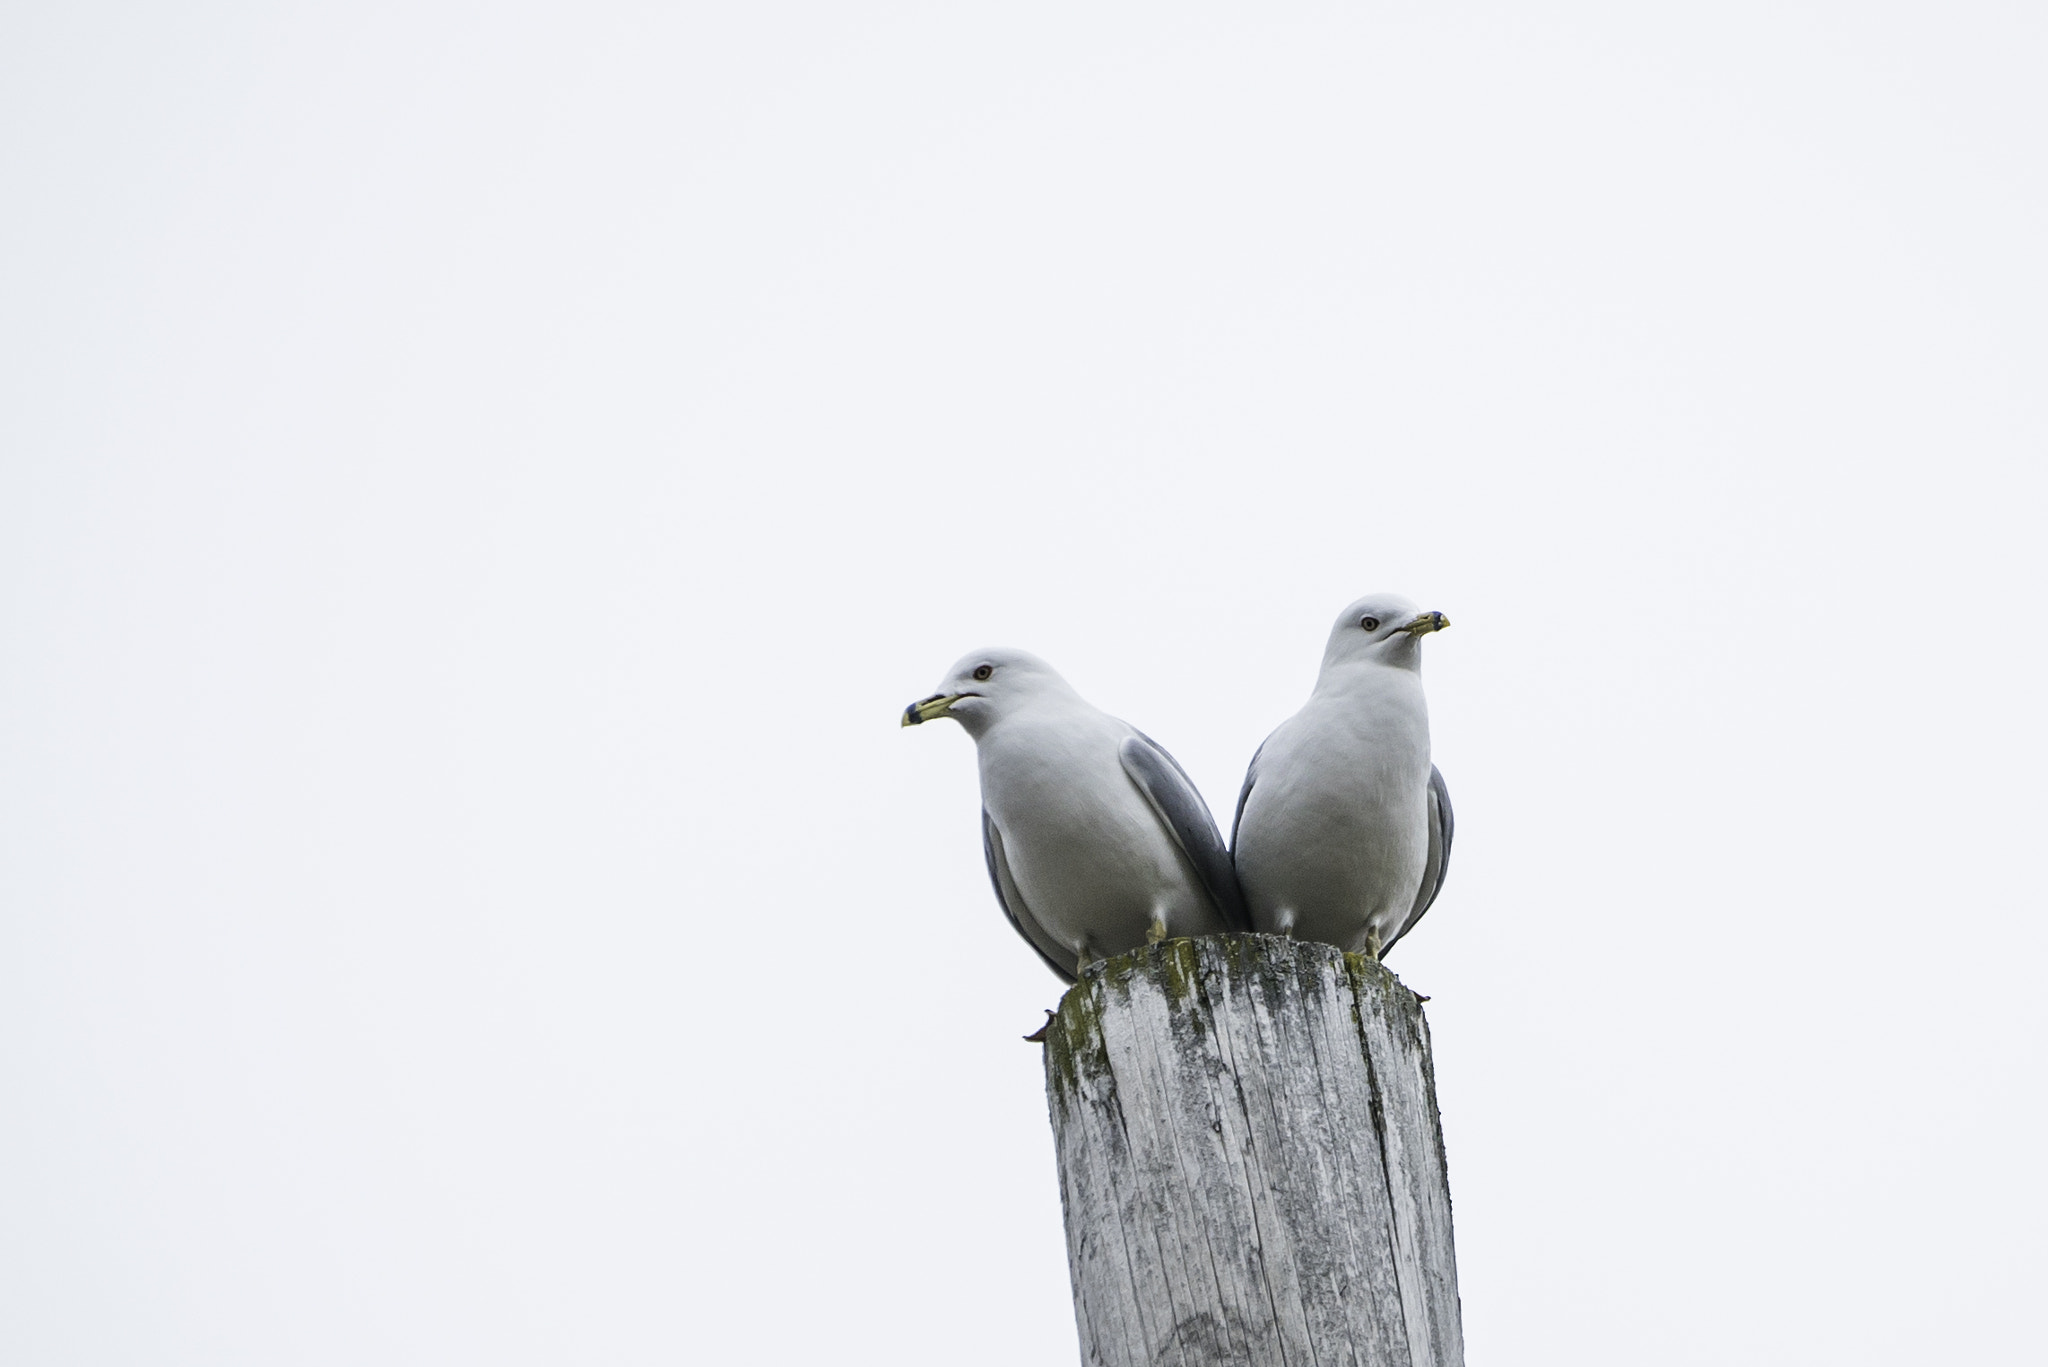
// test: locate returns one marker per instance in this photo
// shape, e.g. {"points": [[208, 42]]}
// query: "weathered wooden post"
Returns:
{"points": [[1250, 1161]]}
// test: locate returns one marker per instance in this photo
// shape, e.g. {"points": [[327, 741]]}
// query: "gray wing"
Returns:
{"points": [[1173, 795], [1441, 827], [1251, 776], [1012, 903]]}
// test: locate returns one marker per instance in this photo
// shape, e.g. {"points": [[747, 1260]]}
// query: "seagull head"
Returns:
{"points": [[1381, 628], [984, 687]]}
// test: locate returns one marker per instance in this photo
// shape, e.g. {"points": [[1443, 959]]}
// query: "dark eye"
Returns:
{"points": [[1369, 623], [983, 671]]}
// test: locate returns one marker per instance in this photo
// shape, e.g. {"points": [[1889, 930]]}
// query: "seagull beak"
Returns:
{"points": [[1426, 623], [931, 709]]}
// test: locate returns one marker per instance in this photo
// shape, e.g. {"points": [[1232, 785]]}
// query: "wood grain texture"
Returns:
{"points": [[1250, 1160]]}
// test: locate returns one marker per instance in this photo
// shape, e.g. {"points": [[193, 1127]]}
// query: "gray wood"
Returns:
{"points": [[1251, 1166]]}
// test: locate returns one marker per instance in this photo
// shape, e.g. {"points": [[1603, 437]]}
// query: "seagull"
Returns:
{"points": [[1097, 841], [1343, 830]]}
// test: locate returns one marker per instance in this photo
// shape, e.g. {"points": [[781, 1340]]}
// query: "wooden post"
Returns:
{"points": [[1250, 1161]]}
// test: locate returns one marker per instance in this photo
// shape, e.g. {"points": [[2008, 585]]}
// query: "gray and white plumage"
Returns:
{"points": [[1097, 841], [1343, 830]]}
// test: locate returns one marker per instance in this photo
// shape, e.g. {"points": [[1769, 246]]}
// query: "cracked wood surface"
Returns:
{"points": [[1251, 1167]]}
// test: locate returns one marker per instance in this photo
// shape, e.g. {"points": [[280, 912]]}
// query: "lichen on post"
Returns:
{"points": [[1251, 1165]]}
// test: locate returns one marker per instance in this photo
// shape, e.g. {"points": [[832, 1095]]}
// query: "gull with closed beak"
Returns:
{"points": [[1097, 842], [1343, 830]]}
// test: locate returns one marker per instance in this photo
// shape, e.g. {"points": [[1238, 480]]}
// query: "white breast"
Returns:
{"points": [[1335, 832], [1089, 855]]}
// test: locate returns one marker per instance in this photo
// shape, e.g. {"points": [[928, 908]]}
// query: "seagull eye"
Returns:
{"points": [[1369, 623], [983, 671]]}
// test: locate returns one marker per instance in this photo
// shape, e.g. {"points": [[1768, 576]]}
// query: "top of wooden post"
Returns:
{"points": [[1178, 966]]}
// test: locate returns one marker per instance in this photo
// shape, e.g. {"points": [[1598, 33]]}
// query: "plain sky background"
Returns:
{"points": [[478, 484]]}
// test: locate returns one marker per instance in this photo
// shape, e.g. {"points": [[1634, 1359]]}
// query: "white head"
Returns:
{"points": [[1381, 629], [988, 685]]}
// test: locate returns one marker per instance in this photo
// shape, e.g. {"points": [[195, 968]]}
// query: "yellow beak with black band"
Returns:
{"points": [[1426, 623], [932, 708]]}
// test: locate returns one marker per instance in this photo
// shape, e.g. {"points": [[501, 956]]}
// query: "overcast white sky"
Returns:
{"points": [[478, 484]]}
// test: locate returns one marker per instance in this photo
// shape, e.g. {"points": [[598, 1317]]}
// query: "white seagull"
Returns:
{"points": [[1097, 841], [1343, 830]]}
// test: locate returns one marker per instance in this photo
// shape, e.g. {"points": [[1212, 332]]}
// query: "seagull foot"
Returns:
{"points": [[1038, 1036]]}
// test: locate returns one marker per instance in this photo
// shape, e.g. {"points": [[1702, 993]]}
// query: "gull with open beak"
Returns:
{"points": [[1097, 841], [1343, 830]]}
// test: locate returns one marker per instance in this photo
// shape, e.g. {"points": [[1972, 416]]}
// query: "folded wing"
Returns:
{"points": [[1441, 827], [1057, 957], [1174, 797]]}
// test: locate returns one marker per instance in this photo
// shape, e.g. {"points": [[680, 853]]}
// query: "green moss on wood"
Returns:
{"points": [[1181, 968], [1075, 1040], [1271, 965]]}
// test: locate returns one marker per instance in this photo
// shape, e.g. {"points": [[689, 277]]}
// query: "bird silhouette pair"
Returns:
{"points": [[1098, 842]]}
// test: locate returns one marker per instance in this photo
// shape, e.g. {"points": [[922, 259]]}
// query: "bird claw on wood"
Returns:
{"points": [[1038, 1037]]}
